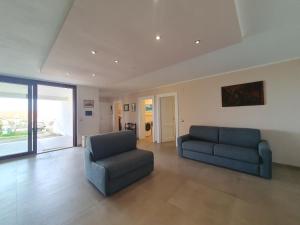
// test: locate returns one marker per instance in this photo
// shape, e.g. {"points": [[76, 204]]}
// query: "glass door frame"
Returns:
{"points": [[32, 111]]}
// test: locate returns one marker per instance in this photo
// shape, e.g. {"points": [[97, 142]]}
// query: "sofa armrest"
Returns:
{"points": [[180, 140], [265, 154]]}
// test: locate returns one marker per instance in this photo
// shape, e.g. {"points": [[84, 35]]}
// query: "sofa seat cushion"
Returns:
{"points": [[249, 155], [198, 146], [126, 162]]}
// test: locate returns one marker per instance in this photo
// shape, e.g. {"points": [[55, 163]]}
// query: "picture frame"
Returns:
{"points": [[88, 103], [126, 107], [148, 107], [247, 94], [89, 113], [133, 107]]}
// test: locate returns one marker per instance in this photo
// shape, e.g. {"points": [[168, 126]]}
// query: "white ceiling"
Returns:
{"points": [[271, 33], [125, 30], [28, 29]]}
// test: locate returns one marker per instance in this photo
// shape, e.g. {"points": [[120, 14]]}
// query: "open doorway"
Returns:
{"points": [[146, 118], [117, 116], [55, 119], [167, 113]]}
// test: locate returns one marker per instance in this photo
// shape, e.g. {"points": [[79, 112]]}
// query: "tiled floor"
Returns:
{"points": [[52, 189]]}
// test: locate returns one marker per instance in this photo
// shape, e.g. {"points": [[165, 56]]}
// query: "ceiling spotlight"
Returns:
{"points": [[93, 75], [157, 37], [197, 42], [116, 61], [93, 52]]}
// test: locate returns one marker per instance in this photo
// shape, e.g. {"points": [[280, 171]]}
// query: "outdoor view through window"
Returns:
{"points": [[13, 119], [54, 118]]}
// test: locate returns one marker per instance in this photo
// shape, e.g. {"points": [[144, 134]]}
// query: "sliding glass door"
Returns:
{"points": [[35, 117], [15, 119], [54, 118]]}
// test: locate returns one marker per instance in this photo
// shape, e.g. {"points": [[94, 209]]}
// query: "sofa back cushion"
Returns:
{"points": [[243, 137], [205, 133], [106, 145]]}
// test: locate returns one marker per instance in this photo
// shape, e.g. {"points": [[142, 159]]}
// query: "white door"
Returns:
{"points": [[106, 117], [167, 119]]}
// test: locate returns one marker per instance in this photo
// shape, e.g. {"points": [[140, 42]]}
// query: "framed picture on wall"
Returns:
{"points": [[248, 94], [88, 103], [133, 107], [88, 113], [126, 107], [148, 107]]}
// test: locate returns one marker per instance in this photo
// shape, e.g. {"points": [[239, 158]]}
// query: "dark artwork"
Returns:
{"points": [[243, 94], [88, 113]]}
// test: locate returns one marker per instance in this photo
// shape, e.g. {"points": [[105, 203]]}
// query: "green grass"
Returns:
{"points": [[13, 136]]}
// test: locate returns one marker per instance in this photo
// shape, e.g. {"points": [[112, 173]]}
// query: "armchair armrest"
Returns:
{"points": [[265, 154], [94, 172], [180, 140]]}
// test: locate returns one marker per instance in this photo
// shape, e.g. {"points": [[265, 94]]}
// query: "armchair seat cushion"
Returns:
{"points": [[198, 146], [248, 155], [126, 162]]}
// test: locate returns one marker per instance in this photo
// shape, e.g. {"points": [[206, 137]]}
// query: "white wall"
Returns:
{"points": [[279, 119], [87, 125]]}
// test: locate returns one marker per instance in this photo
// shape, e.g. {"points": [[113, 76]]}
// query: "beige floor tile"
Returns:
{"points": [[51, 189]]}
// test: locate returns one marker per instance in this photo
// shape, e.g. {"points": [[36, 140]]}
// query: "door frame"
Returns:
{"points": [[32, 110], [139, 125], [35, 103], [158, 121], [114, 121]]}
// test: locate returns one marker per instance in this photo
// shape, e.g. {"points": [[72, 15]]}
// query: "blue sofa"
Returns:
{"points": [[236, 148], [112, 161]]}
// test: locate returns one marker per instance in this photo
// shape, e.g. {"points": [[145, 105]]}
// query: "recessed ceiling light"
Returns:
{"points": [[157, 37], [116, 61], [93, 75], [93, 52], [197, 42]]}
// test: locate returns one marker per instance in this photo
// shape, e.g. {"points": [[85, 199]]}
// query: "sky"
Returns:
{"points": [[13, 105]]}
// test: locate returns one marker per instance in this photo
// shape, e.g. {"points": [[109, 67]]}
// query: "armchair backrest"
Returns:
{"points": [[106, 145]]}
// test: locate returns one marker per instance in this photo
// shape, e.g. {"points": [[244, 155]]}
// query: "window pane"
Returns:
{"points": [[55, 118], [13, 119]]}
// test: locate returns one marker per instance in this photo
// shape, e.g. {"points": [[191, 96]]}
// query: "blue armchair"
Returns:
{"points": [[113, 162]]}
